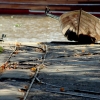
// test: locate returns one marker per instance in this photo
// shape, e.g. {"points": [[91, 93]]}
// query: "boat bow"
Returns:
{"points": [[80, 26]]}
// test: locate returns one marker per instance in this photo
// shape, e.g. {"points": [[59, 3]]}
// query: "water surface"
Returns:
{"points": [[30, 28]]}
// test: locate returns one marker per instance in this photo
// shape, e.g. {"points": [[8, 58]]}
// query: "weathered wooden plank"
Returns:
{"points": [[9, 90], [10, 95], [26, 56], [17, 74]]}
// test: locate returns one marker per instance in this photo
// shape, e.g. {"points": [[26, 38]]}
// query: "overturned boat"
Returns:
{"points": [[80, 26]]}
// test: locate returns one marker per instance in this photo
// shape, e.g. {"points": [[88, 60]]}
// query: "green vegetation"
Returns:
{"points": [[17, 25], [1, 49]]}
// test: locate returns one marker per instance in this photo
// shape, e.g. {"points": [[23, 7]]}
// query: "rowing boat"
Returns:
{"points": [[80, 26]]}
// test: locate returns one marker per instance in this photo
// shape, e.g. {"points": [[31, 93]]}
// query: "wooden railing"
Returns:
{"points": [[54, 5]]}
